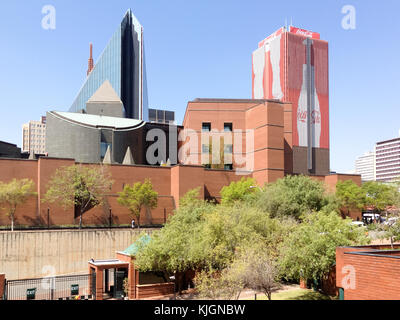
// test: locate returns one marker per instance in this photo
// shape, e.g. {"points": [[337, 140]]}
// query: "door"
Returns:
{"points": [[93, 285], [119, 277]]}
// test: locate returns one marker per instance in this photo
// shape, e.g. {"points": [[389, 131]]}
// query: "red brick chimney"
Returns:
{"points": [[90, 62]]}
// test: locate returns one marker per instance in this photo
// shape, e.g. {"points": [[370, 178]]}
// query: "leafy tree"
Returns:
{"points": [[350, 195], [14, 193], [293, 196], [204, 236], [169, 248], [261, 272], [226, 285], [252, 268], [310, 251], [138, 196], [238, 191], [78, 186], [391, 231], [380, 195]]}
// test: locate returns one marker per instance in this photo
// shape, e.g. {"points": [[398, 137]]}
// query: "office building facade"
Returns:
{"points": [[365, 166], [122, 63], [291, 65], [388, 160], [34, 136]]}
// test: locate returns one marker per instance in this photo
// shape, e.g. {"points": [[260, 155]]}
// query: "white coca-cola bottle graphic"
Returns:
{"points": [[302, 114], [316, 119], [275, 51]]}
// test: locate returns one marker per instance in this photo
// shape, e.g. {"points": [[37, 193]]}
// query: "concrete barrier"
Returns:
{"points": [[35, 254]]}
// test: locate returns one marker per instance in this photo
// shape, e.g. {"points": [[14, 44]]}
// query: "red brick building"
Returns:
{"points": [[265, 156], [368, 272]]}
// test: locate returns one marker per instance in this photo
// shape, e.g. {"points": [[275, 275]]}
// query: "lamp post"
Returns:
{"points": [[48, 218], [110, 219]]}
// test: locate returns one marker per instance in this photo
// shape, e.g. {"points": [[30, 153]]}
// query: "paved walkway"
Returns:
{"points": [[245, 295]]}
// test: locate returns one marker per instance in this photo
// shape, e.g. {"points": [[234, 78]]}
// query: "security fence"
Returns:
{"points": [[52, 288]]}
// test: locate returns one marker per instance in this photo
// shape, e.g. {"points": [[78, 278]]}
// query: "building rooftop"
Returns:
{"points": [[96, 121], [133, 249]]}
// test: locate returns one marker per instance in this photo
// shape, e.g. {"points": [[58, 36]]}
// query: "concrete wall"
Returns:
{"points": [[36, 254], [68, 140]]}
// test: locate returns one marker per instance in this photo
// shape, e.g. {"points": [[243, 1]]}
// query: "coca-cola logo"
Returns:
{"points": [[315, 116], [305, 33], [301, 116]]}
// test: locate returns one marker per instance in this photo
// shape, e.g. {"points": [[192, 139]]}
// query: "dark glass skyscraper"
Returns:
{"points": [[122, 63]]}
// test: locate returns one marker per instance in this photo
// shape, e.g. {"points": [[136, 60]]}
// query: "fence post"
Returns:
{"points": [[2, 286]]}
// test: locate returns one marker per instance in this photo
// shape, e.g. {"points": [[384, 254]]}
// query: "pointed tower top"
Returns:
{"points": [[107, 156], [90, 61], [168, 164], [105, 93], [128, 160]]}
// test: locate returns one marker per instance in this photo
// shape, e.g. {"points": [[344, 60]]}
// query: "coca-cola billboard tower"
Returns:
{"points": [[291, 65]]}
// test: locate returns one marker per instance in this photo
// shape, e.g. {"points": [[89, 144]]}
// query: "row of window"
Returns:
{"points": [[206, 127], [388, 146], [228, 148]]}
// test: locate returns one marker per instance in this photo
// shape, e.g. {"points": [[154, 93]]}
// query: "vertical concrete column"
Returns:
{"points": [[132, 279], [91, 273], [99, 284], [2, 285], [137, 295]]}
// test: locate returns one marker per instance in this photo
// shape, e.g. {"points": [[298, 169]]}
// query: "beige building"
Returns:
{"points": [[34, 136]]}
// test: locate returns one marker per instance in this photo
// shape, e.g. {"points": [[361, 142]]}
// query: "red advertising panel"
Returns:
{"points": [[279, 72], [305, 33]]}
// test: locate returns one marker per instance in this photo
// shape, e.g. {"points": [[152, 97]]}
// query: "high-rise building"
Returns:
{"points": [[365, 166], [388, 160], [291, 65], [34, 136], [122, 63]]}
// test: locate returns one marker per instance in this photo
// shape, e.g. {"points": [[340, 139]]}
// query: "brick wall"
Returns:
{"points": [[374, 272], [144, 291], [171, 183]]}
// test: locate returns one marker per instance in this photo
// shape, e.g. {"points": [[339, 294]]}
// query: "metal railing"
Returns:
{"points": [[51, 288]]}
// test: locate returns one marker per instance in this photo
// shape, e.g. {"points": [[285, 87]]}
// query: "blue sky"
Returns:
{"points": [[202, 49]]}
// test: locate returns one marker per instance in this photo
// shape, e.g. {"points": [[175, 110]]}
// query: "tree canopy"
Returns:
{"points": [[350, 195], [379, 195], [13, 194], [310, 251], [294, 196], [140, 195], [78, 186], [238, 191], [202, 235]]}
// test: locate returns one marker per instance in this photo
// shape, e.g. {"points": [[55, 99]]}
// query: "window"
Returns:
{"points": [[228, 148], [228, 127], [205, 148], [228, 167], [206, 127]]}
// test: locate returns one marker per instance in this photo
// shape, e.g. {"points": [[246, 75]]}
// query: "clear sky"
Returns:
{"points": [[202, 49]]}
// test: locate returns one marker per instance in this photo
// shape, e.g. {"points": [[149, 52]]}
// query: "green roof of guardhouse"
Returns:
{"points": [[133, 249]]}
